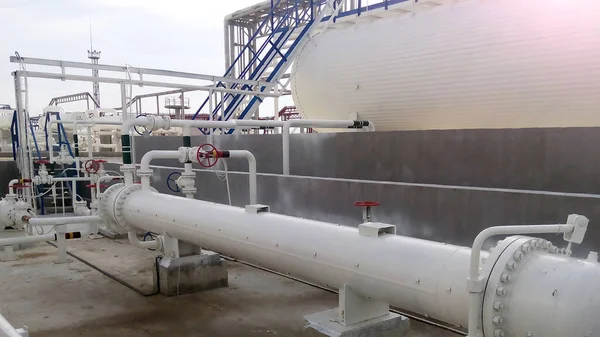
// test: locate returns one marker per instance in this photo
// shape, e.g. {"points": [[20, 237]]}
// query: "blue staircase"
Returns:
{"points": [[290, 23], [63, 138]]}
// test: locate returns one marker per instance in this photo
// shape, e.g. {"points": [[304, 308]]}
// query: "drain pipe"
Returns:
{"points": [[341, 124]]}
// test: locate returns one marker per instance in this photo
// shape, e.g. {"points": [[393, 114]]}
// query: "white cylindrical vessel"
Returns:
{"points": [[423, 276], [470, 64], [531, 287]]}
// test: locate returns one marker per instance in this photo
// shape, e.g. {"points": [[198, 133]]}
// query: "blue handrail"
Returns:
{"points": [[251, 64]]}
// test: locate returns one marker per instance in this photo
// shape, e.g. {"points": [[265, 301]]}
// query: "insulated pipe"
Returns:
{"points": [[7, 329], [420, 276], [410, 273], [350, 124], [136, 242]]}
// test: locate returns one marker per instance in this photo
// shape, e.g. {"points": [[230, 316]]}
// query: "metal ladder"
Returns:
{"points": [[291, 24]]}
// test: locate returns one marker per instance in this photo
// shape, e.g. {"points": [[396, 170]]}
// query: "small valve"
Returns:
{"points": [[366, 205], [92, 166], [207, 155]]}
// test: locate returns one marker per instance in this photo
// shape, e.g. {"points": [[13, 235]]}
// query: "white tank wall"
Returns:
{"points": [[474, 64]]}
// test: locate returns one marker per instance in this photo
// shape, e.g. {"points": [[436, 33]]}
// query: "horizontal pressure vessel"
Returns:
{"points": [[534, 290], [463, 64]]}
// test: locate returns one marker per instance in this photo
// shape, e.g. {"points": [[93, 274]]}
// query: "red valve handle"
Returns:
{"points": [[21, 186], [367, 203], [91, 166], [209, 158], [102, 161], [42, 161]]}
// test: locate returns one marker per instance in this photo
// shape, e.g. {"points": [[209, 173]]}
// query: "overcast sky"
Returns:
{"points": [[184, 35]]}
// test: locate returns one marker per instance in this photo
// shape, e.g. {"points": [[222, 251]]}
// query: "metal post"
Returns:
{"points": [[61, 244]]}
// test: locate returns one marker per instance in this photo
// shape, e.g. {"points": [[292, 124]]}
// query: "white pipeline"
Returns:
{"points": [[407, 272], [51, 221], [251, 171], [423, 277], [11, 186], [145, 172], [21, 240]]}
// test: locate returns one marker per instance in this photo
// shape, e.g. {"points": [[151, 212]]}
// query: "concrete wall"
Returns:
{"points": [[556, 159], [537, 159]]}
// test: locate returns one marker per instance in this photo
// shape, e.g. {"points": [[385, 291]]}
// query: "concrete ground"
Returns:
{"points": [[76, 300]]}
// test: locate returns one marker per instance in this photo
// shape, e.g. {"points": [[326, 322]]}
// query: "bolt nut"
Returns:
{"points": [[547, 244], [511, 265], [499, 333], [501, 291], [498, 306], [506, 278], [526, 248], [518, 255], [498, 320]]}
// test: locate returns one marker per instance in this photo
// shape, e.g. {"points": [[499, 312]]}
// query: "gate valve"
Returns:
{"points": [[207, 155], [366, 212], [91, 166], [43, 176]]}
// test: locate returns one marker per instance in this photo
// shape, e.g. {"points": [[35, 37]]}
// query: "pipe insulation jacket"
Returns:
{"points": [[425, 277]]}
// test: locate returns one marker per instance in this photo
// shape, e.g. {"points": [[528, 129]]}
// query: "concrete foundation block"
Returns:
{"points": [[190, 274], [326, 324]]}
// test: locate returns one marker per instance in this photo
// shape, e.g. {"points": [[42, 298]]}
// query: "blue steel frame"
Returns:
{"points": [[288, 21]]}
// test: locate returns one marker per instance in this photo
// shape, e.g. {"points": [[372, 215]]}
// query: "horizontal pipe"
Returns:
{"points": [[51, 221], [322, 253], [21, 240]]}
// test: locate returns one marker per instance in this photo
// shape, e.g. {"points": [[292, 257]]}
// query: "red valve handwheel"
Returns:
{"points": [[210, 156], [366, 203], [91, 166]]}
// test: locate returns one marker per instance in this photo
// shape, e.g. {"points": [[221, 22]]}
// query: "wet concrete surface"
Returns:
{"points": [[74, 299]]}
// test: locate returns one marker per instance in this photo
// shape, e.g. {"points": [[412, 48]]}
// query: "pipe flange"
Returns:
{"points": [[502, 269], [105, 205]]}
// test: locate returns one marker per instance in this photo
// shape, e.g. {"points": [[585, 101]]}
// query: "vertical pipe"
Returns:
{"points": [[90, 144]]}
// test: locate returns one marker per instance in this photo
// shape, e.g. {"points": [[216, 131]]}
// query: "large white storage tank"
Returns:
{"points": [[470, 64]]}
